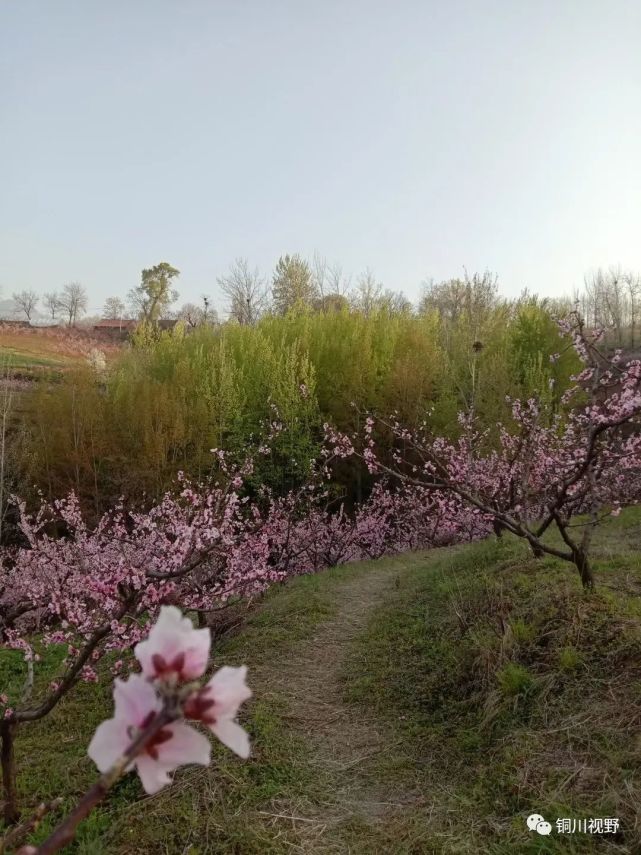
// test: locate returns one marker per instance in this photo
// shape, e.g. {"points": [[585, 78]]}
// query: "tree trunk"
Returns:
{"points": [[537, 552], [583, 566], [8, 762]]}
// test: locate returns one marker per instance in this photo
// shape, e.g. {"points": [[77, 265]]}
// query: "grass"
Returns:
{"points": [[228, 809], [512, 692], [35, 348], [27, 362], [24, 359], [38, 354], [500, 686]]}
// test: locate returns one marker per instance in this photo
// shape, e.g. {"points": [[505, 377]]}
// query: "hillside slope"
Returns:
{"points": [[30, 350]]}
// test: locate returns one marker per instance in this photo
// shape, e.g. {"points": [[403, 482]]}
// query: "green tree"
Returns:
{"points": [[473, 298], [293, 285], [151, 299], [541, 362], [164, 402]]}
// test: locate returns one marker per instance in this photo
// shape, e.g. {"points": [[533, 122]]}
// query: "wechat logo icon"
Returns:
{"points": [[535, 822]]}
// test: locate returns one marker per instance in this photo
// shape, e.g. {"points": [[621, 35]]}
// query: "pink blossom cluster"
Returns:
{"points": [[172, 659], [98, 588], [540, 468]]}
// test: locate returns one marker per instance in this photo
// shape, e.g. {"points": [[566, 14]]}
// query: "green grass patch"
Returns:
{"points": [[509, 691], [25, 359]]}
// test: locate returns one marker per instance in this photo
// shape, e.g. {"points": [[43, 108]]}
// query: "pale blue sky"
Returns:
{"points": [[416, 138]]}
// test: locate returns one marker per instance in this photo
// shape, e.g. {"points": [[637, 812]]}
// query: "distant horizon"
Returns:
{"points": [[221, 300], [417, 140], [7, 304]]}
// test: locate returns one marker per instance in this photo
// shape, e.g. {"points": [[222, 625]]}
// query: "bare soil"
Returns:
{"points": [[342, 742]]}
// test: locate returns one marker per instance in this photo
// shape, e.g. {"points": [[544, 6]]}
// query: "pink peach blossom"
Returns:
{"points": [[136, 705], [216, 705], [174, 647]]}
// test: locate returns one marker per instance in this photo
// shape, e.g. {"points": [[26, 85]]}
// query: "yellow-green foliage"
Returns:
{"points": [[170, 398]]}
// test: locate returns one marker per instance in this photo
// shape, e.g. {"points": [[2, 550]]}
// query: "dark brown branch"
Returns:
{"points": [[71, 676], [66, 831], [8, 763], [19, 832]]}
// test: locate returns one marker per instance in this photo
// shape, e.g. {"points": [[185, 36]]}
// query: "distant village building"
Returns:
{"points": [[116, 324], [121, 328], [115, 328]]}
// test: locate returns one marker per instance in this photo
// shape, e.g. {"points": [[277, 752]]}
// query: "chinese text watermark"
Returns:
{"points": [[567, 825]]}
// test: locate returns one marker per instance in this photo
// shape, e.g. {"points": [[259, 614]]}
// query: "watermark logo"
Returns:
{"points": [[535, 822], [566, 825]]}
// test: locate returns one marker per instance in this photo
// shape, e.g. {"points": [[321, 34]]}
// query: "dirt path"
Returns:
{"points": [[341, 740]]}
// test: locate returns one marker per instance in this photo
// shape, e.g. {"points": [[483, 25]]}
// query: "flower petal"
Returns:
{"points": [[108, 743], [233, 736], [153, 775], [228, 689], [173, 638], [185, 746], [134, 699]]}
